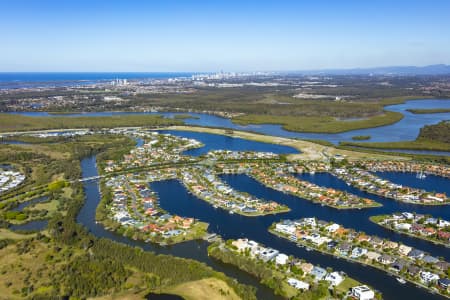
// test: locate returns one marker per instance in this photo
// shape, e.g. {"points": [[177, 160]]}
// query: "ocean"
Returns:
{"points": [[11, 80]]}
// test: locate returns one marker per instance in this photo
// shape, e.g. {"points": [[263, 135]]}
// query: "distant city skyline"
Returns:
{"points": [[209, 36]]}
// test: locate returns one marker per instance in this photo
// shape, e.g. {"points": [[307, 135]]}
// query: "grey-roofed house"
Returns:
{"points": [[416, 254], [319, 273], [413, 270], [430, 259], [398, 265], [444, 283]]}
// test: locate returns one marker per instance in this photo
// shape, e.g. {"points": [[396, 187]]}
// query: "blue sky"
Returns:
{"points": [[213, 35]]}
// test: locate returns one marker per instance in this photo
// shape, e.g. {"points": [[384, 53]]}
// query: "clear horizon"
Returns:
{"points": [[209, 36]]}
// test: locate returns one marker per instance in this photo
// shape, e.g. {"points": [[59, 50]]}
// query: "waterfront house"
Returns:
{"points": [[376, 241], [266, 254], [385, 259], [443, 235], [344, 248], [332, 228], [334, 278], [428, 277], [362, 292], [298, 284], [398, 265], [416, 254], [358, 252], [402, 226], [306, 267], [442, 265], [281, 259], [332, 244], [283, 228], [413, 270], [372, 255], [319, 273], [430, 259], [390, 245], [404, 250], [444, 283]]}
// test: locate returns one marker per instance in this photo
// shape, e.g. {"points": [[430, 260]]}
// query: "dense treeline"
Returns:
{"points": [[263, 272], [88, 275], [438, 132], [23, 123], [164, 270]]}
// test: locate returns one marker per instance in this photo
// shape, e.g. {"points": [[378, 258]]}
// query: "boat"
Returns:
{"points": [[421, 175], [308, 249], [401, 280], [231, 212]]}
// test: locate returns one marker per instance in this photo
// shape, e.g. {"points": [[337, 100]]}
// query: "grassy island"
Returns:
{"points": [[361, 137], [429, 111], [319, 124]]}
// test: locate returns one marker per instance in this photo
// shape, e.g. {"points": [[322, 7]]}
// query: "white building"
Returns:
{"points": [[428, 277], [332, 227], [300, 285], [288, 229], [281, 259], [362, 292], [334, 278]]}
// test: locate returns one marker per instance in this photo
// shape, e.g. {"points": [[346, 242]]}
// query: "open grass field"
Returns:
{"points": [[9, 123], [15, 268], [204, 289], [50, 206], [6, 234]]}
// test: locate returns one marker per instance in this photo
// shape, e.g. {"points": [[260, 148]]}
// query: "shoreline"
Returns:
{"points": [[436, 242], [309, 150]]}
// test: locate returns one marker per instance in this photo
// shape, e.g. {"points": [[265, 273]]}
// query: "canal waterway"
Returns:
{"points": [[175, 198]]}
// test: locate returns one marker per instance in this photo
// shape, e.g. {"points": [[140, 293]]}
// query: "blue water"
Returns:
{"points": [[217, 142], [32, 226], [175, 199], [22, 205], [431, 183], [10, 80], [405, 130]]}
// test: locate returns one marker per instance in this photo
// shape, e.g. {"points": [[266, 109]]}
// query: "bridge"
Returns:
{"points": [[92, 178]]}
